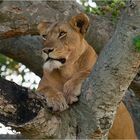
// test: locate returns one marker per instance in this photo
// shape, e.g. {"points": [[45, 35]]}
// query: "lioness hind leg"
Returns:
{"points": [[123, 127]]}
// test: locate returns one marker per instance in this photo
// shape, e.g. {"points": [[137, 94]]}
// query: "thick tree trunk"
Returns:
{"points": [[116, 67]]}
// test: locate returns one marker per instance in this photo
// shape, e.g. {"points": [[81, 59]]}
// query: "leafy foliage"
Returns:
{"points": [[136, 42], [7, 63], [110, 8], [17, 72]]}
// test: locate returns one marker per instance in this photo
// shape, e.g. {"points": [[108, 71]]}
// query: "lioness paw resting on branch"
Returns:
{"points": [[68, 60]]}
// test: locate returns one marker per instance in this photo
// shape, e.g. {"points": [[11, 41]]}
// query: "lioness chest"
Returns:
{"points": [[58, 77]]}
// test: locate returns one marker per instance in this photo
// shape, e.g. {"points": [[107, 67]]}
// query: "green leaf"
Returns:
{"points": [[136, 42]]}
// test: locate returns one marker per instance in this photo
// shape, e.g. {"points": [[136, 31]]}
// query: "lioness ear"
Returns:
{"points": [[80, 23], [42, 26]]}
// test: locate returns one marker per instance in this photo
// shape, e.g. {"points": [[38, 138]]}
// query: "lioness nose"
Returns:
{"points": [[47, 50]]}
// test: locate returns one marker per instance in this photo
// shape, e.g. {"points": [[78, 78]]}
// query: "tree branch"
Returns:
{"points": [[25, 50], [21, 18], [116, 67], [23, 110], [15, 105]]}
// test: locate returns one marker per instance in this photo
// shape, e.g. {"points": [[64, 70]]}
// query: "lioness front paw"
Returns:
{"points": [[57, 102]]}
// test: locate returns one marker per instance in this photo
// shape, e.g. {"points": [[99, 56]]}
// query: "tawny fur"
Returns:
{"points": [[61, 82], [123, 127]]}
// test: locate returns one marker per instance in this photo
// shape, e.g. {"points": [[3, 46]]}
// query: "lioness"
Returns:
{"points": [[68, 60]]}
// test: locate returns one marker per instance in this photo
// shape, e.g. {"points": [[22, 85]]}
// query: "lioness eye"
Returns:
{"points": [[44, 37], [62, 34]]}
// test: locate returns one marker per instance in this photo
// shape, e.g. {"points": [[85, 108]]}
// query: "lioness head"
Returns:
{"points": [[63, 41]]}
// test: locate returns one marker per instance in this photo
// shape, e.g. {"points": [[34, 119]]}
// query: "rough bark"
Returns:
{"points": [[21, 18], [16, 107], [116, 67], [101, 93]]}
